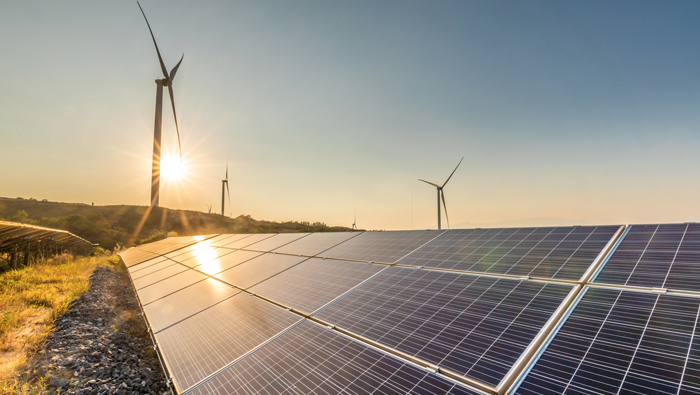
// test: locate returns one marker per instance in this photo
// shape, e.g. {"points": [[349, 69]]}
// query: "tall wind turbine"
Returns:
{"points": [[167, 80], [441, 193], [224, 183]]}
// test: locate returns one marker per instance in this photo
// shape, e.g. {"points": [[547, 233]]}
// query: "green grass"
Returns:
{"points": [[31, 299]]}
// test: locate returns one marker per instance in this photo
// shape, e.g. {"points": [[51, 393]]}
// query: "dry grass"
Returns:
{"points": [[31, 299]]}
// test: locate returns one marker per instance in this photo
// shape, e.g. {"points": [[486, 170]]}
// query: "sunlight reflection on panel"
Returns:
{"points": [[205, 256]]}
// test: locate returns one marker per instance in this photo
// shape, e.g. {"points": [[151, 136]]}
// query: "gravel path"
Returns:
{"points": [[100, 345]]}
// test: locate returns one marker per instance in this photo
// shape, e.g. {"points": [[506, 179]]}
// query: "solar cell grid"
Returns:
{"points": [[557, 253], [659, 256], [258, 269], [316, 243], [386, 247], [206, 257], [158, 275], [310, 359], [275, 241], [186, 302], [181, 252], [156, 267], [225, 262], [618, 341], [314, 283], [145, 264], [134, 256], [227, 238], [169, 285], [216, 240], [475, 326], [246, 241], [206, 342]]}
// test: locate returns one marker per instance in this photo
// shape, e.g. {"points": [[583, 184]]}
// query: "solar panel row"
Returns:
{"points": [[618, 341], [216, 339]]}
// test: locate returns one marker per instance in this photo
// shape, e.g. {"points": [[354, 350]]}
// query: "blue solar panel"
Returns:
{"points": [[559, 253], [313, 283], [310, 359], [202, 344], [658, 256], [385, 247], [475, 326], [619, 341]]}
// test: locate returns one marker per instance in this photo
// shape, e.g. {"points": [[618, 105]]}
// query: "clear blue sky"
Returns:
{"points": [[584, 110]]}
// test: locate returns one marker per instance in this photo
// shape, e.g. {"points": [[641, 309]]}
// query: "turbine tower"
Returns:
{"points": [[167, 80], [441, 193], [224, 184]]}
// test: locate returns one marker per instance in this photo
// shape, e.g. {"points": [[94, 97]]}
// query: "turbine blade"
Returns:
{"points": [[445, 206], [160, 59], [453, 171], [172, 101], [428, 182], [227, 171], [174, 70]]}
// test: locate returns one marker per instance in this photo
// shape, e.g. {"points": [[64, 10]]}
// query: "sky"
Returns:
{"points": [[580, 111]]}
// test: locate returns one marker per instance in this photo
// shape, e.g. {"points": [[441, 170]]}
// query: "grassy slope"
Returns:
{"points": [[30, 300], [108, 225]]}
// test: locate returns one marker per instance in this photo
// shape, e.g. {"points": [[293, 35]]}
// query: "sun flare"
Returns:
{"points": [[171, 168]]}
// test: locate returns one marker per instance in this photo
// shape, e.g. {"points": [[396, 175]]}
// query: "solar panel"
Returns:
{"points": [[310, 359], [312, 284], [169, 285], [244, 242], [219, 242], [275, 241], [209, 257], [473, 325], [387, 247], [235, 258], [181, 253], [206, 342], [156, 267], [146, 264], [658, 256], [618, 341], [159, 275], [559, 253], [186, 302], [134, 256], [258, 269], [316, 243]]}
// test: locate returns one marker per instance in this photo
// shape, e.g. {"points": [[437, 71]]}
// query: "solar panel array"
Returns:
{"points": [[594, 309]]}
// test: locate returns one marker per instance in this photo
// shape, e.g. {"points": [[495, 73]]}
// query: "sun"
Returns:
{"points": [[171, 168]]}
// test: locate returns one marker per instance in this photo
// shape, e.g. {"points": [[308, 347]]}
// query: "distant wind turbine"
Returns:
{"points": [[209, 208], [441, 193], [160, 83], [354, 222], [224, 183]]}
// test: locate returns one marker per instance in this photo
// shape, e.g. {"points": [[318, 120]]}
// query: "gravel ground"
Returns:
{"points": [[100, 345]]}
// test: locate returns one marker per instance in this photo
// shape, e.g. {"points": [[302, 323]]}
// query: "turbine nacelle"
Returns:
{"points": [[441, 194]]}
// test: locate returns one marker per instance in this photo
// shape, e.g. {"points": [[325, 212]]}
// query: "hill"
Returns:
{"points": [[132, 225]]}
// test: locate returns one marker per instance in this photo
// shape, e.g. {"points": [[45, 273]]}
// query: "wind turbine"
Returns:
{"points": [[441, 193], [167, 80], [224, 183], [354, 222], [209, 208]]}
